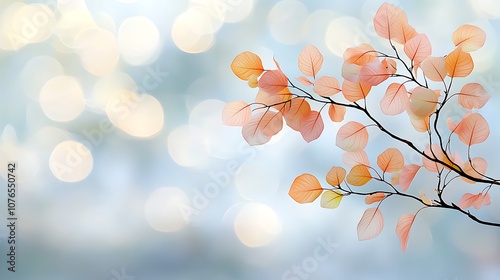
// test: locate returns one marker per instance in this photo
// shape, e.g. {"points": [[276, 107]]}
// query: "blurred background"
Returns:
{"points": [[112, 111]]}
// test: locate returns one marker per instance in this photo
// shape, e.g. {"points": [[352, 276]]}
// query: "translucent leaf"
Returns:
{"points": [[459, 63], [304, 81], [423, 102], [437, 153], [253, 81], [376, 197], [262, 127], [350, 72], [352, 136], [434, 68], [335, 176], [236, 113], [355, 91], [424, 198], [247, 64], [359, 176], [360, 55], [310, 61], [326, 86], [374, 73], [305, 188], [371, 224], [311, 126], [295, 111], [271, 99], [477, 200], [390, 160], [473, 129], [389, 22], [407, 175], [469, 37], [331, 199], [395, 99], [420, 125], [403, 229], [473, 95], [336, 112], [273, 81], [476, 169], [418, 48], [352, 159]]}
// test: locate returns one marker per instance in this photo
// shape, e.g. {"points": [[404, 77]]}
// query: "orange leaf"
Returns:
{"points": [[236, 113], [434, 68], [352, 159], [311, 126], [389, 22], [360, 55], [295, 112], [473, 95], [304, 81], [459, 63], [336, 112], [374, 73], [407, 33], [403, 229], [359, 175], [310, 61], [407, 175], [350, 72], [253, 81], [352, 136], [420, 125], [395, 99], [326, 86], [262, 127], [273, 81], [376, 197], [271, 99], [477, 200], [335, 176], [423, 102], [305, 189], [469, 37], [418, 48], [355, 91], [247, 64], [390, 160], [371, 224], [476, 167], [473, 129]]}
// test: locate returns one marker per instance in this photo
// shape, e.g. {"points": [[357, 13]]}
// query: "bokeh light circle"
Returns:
{"points": [[138, 40], [167, 209], [257, 225], [61, 98], [71, 161]]}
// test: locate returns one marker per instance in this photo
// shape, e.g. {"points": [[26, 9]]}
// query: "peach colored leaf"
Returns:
{"points": [[352, 136], [476, 168], [477, 200], [459, 63], [352, 159], [418, 48], [390, 160], [436, 153], [472, 129], [371, 224], [473, 95], [276, 63], [376, 197], [355, 91], [331, 199], [326, 86], [304, 81], [350, 72], [359, 175], [403, 229], [374, 73], [395, 99], [434, 68], [262, 127], [423, 102], [420, 125], [407, 33], [310, 61], [482, 200], [335, 176], [247, 64], [305, 188], [389, 22], [390, 65], [424, 198], [395, 177], [273, 81], [336, 112], [295, 111], [360, 55], [253, 81], [469, 37], [236, 113], [407, 175], [311, 126]]}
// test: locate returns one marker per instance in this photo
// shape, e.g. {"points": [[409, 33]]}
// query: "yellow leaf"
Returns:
{"points": [[331, 199], [247, 64]]}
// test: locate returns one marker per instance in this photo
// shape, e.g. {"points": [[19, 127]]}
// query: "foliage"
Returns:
{"points": [[280, 100]]}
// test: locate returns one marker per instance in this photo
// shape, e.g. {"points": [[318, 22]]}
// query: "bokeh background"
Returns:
{"points": [[112, 110]]}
